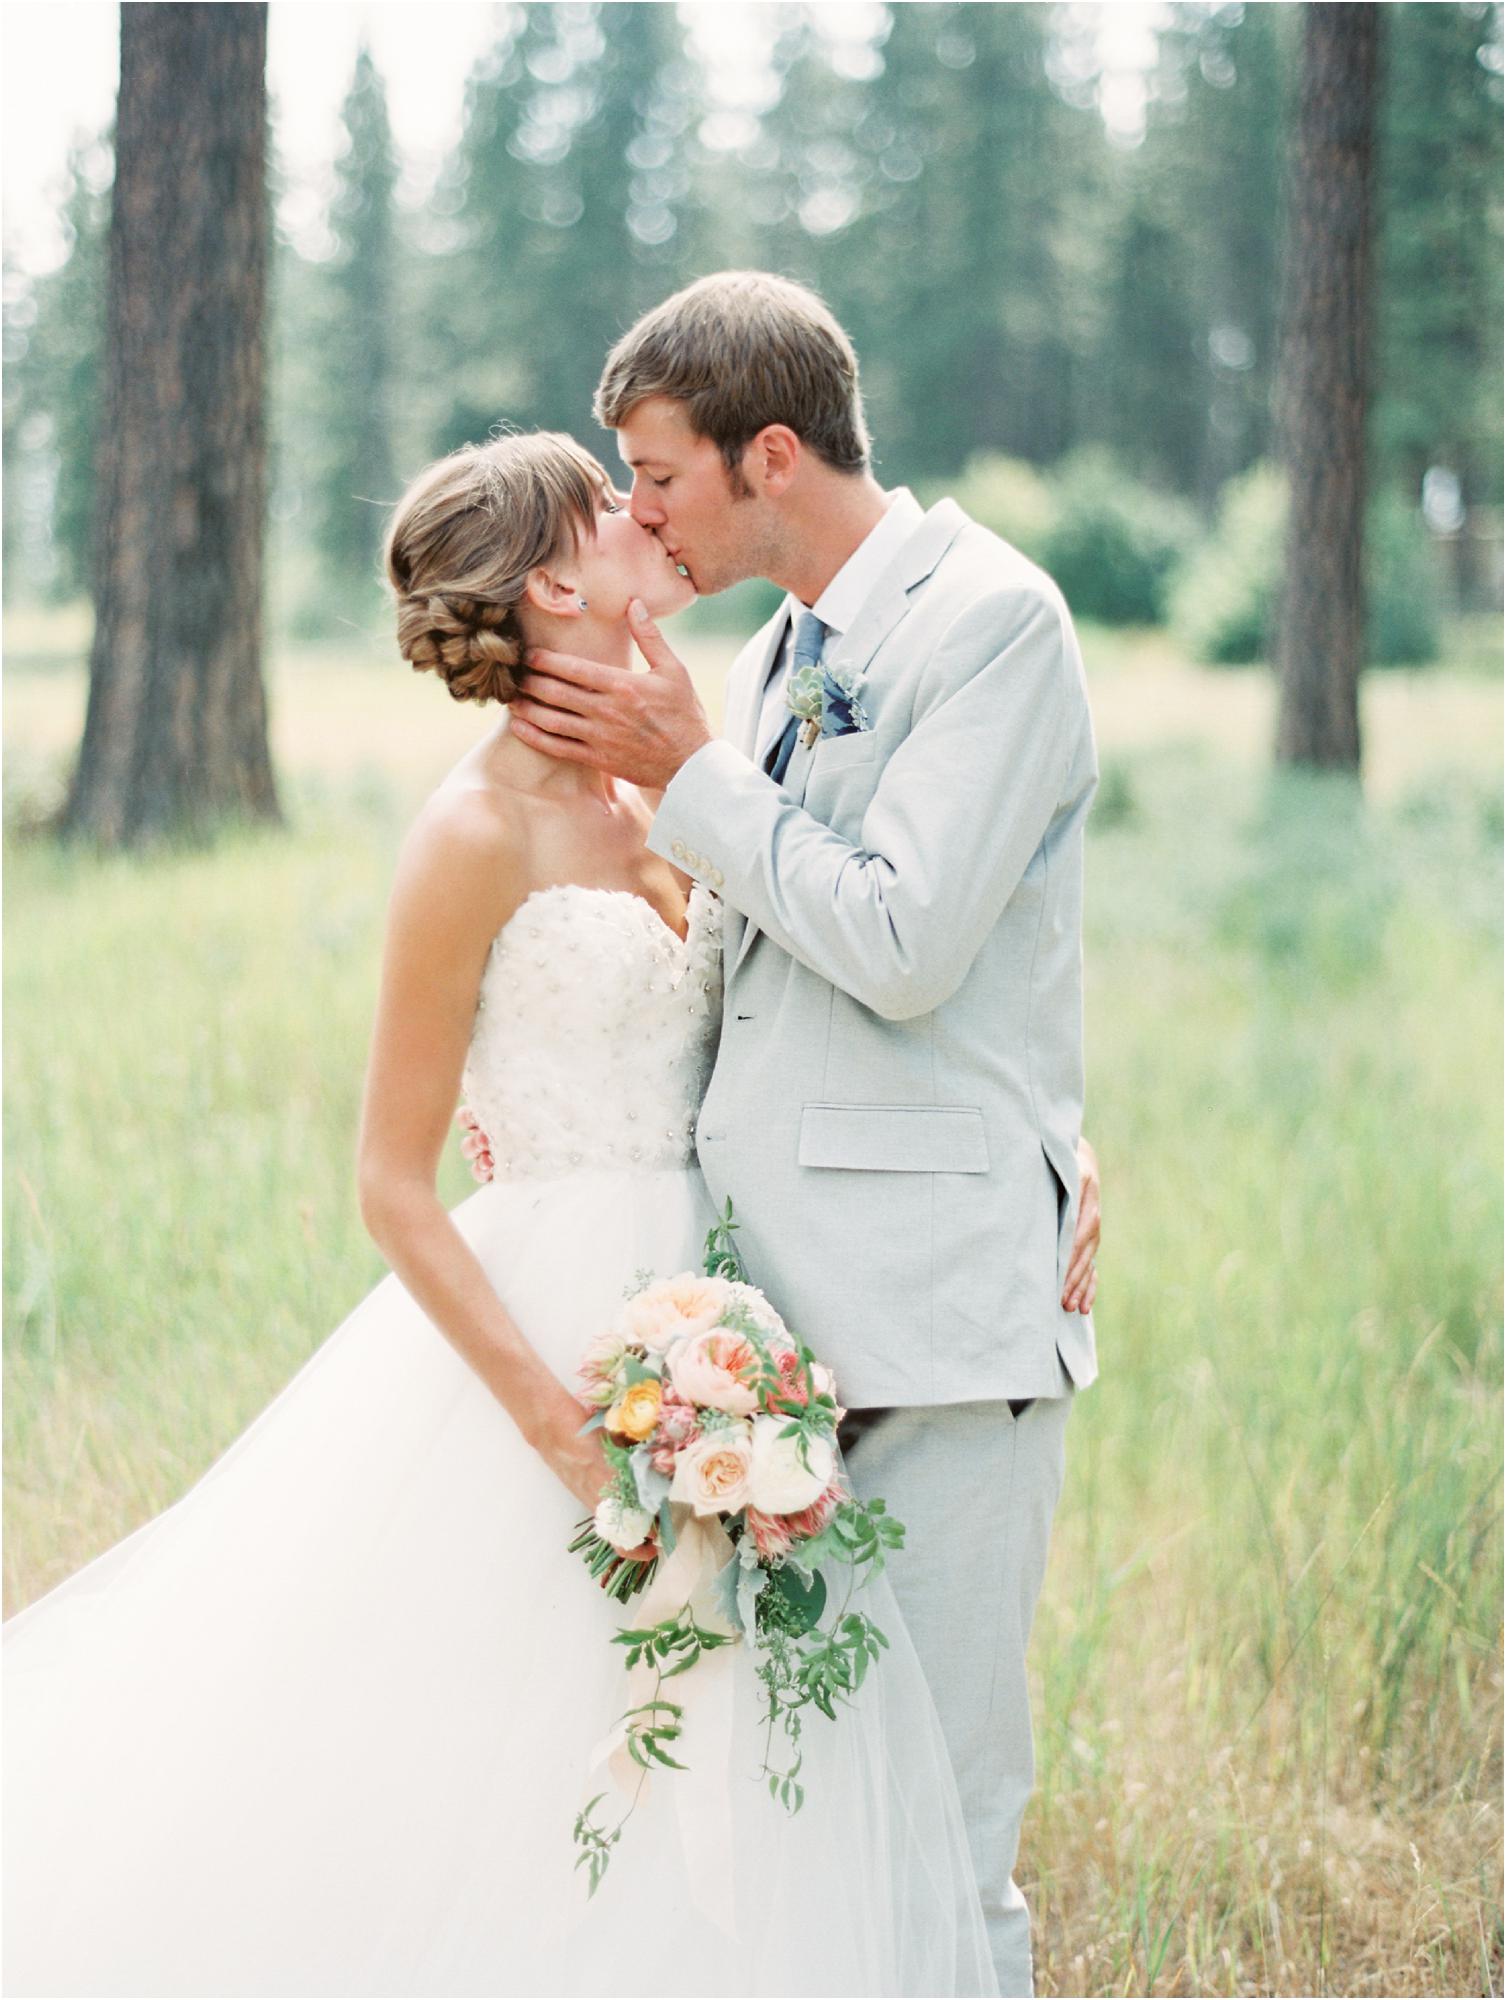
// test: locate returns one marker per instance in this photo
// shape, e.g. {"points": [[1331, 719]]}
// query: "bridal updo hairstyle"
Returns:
{"points": [[464, 538]]}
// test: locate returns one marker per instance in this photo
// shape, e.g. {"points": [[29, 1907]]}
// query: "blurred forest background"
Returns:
{"points": [[1070, 323], [1267, 1667]]}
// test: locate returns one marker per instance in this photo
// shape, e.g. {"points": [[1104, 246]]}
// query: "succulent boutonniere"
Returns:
{"points": [[826, 700]]}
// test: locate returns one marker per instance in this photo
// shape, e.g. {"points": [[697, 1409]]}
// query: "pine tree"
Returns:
{"points": [[479, 316], [175, 736], [52, 389], [1439, 253], [1325, 383], [356, 482]]}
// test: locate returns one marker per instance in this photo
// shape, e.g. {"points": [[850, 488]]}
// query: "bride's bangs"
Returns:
{"points": [[573, 483]]}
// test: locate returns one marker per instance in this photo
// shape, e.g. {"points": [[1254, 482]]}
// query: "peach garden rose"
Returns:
{"points": [[715, 1370], [726, 1439], [711, 1474], [676, 1307]]}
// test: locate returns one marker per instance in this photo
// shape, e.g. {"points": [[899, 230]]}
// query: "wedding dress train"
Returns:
{"points": [[323, 1727]]}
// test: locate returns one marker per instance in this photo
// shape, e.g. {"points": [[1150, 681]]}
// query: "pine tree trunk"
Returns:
{"points": [[175, 738], [1325, 387]]}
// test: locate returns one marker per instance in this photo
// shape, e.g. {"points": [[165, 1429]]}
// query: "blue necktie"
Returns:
{"points": [[810, 637]]}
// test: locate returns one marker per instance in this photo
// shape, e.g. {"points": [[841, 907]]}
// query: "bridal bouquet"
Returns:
{"points": [[720, 1429]]}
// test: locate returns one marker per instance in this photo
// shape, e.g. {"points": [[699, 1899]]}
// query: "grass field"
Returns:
{"points": [[1267, 1662]]}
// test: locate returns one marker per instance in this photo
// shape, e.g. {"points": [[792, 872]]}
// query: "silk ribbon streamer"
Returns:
{"points": [[703, 1799]]}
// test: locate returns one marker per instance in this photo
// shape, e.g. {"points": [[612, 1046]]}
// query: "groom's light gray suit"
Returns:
{"points": [[898, 1093]]}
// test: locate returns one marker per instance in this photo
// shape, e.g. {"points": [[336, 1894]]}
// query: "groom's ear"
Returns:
{"points": [[554, 594], [771, 460]]}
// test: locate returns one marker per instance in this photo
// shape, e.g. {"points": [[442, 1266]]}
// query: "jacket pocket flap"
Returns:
{"points": [[840, 752], [894, 1138]]}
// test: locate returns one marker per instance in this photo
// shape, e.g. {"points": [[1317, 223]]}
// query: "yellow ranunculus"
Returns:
{"points": [[636, 1411]]}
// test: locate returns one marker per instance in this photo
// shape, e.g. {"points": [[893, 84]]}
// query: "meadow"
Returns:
{"points": [[1268, 1663]]}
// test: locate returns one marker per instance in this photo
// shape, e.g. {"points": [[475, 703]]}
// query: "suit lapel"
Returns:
{"points": [[746, 683], [855, 650], [742, 708]]}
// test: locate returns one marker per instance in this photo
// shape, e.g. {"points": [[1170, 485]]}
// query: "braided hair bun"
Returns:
{"points": [[471, 645], [463, 543]]}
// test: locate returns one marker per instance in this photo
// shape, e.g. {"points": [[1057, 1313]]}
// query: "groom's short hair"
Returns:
{"points": [[742, 349]]}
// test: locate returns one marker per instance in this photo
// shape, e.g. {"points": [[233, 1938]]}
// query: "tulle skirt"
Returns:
{"points": [[323, 1727]]}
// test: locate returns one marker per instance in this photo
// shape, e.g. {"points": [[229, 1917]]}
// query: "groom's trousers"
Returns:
{"points": [[976, 1485]]}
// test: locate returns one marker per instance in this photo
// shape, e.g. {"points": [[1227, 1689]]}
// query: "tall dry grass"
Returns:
{"points": [[1267, 1663]]}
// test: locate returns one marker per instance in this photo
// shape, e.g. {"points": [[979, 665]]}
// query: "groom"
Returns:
{"points": [[895, 823]]}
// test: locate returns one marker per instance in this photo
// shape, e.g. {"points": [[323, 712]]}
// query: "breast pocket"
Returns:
{"points": [[843, 774], [840, 753]]}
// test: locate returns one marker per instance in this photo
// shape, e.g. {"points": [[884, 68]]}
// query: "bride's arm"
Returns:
{"points": [[457, 883]]}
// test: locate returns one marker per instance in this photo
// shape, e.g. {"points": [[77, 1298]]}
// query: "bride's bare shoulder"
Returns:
{"points": [[467, 852]]}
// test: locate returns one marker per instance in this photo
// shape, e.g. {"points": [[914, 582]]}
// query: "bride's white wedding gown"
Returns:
{"points": [[323, 1727]]}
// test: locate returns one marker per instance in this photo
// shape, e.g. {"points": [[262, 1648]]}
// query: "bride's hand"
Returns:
{"points": [[580, 1463]]}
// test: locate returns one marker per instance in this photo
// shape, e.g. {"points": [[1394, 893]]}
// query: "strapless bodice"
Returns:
{"points": [[595, 1032]]}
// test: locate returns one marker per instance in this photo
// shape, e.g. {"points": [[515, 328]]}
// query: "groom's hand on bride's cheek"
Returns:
{"points": [[641, 727]]}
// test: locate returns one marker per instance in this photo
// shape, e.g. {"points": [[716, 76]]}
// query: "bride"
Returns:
{"points": [[323, 1727]]}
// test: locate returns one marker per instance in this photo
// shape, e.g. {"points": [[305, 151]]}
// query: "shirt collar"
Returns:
{"points": [[843, 599]]}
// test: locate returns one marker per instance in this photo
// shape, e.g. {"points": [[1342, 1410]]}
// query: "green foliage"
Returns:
{"points": [[606, 1565], [1019, 286], [1223, 602], [1114, 543], [1438, 334], [678, 1639], [1224, 599], [1282, 1499], [1315, 893], [54, 339], [1008, 496], [722, 1258], [1402, 567], [354, 476]]}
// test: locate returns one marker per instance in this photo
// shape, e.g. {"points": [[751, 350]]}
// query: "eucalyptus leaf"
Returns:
{"points": [[727, 1597], [750, 1582], [652, 1485]]}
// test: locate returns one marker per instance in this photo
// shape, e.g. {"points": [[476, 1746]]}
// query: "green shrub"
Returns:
{"points": [[1114, 544], [1008, 496], [1223, 601], [1402, 566]]}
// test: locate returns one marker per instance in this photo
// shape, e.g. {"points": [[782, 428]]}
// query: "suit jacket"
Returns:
{"points": [[898, 1089]]}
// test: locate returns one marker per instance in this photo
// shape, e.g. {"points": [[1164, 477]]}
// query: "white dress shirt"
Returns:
{"points": [[840, 604]]}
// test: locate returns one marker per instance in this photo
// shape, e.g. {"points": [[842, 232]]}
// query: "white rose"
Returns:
{"points": [[780, 1481], [624, 1527]]}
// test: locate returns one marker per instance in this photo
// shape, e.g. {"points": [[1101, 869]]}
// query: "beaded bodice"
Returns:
{"points": [[595, 1032]]}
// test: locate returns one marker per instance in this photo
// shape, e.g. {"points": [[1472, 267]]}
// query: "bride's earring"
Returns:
{"points": [[581, 602]]}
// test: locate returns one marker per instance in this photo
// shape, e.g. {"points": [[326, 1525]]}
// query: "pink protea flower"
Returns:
{"points": [[475, 1146], [792, 1388], [678, 1427], [811, 1520], [599, 1374], [770, 1532]]}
